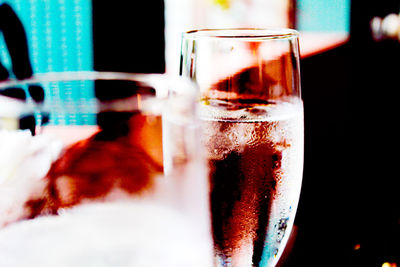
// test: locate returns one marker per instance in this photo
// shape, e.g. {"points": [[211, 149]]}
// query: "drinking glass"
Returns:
{"points": [[115, 178], [252, 117]]}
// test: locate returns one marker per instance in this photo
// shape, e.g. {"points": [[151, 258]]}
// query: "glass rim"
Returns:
{"points": [[167, 88], [90, 75], [161, 81], [253, 34]]}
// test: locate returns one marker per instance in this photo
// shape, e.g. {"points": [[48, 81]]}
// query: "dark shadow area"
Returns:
{"points": [[128, 36], [349, 208]]}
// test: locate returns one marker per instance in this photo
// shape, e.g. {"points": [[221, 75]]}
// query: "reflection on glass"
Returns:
{"points": [[252, 117], [127, 190]]}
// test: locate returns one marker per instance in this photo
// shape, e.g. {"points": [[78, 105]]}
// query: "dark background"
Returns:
{"points": [[128, 36], [349, 207], [349, 211]]}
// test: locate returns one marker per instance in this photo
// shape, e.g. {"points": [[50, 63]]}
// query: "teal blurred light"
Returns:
{"points": [[59, 34], [323, 15]]}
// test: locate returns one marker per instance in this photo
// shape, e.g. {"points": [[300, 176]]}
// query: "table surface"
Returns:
{"points": [[312, 43]]}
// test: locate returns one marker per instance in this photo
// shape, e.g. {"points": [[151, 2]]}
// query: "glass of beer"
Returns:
{"points": [[252, 118], [102, 169]]}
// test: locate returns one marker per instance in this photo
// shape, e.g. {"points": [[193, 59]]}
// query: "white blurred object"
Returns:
{"points": [[119, 234], [386, 28], [10, 111], [24, 160]]}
